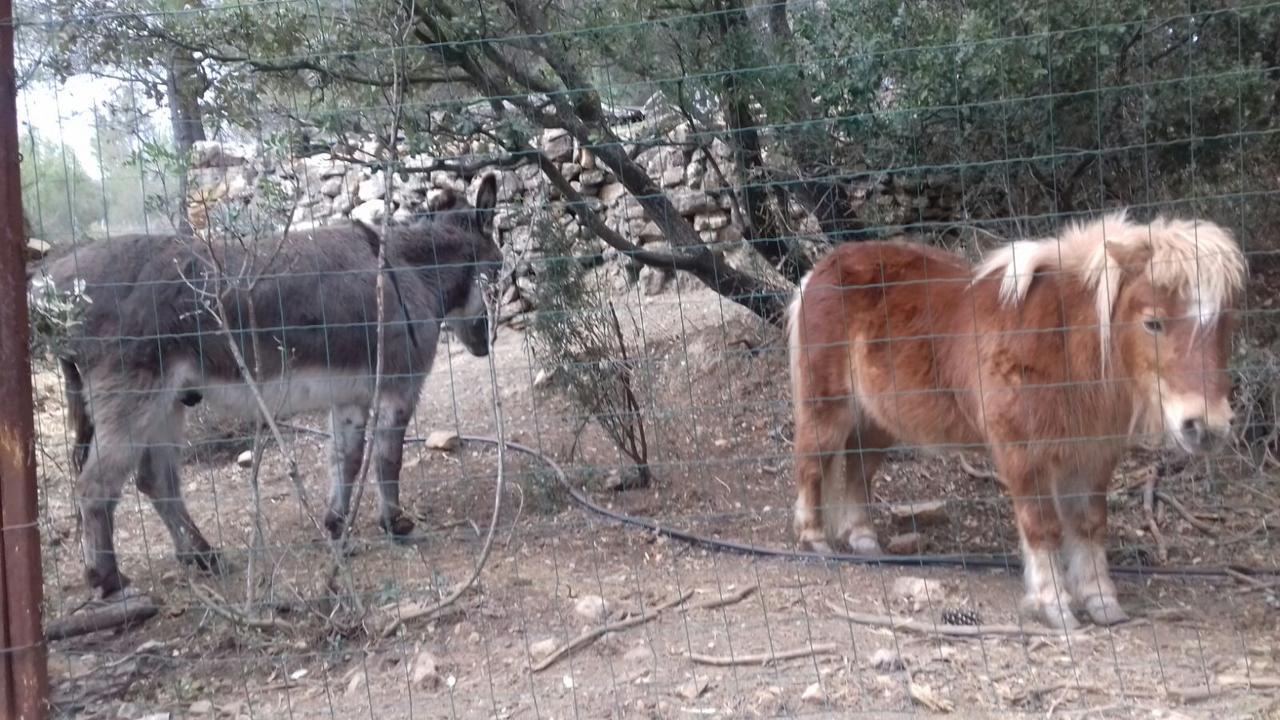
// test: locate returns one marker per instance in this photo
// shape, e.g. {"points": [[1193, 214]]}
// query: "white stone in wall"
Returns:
{"points": [[369, 212], [691, 202], [372, 187], [610, 193], [557, 144]]}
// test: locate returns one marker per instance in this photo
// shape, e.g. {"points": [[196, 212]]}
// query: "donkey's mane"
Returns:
{"points": [[1196, 258]]}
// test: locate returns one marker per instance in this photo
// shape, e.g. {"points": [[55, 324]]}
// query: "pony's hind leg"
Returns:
{"points": [[159, 480], [1084, 516], [822, 430], [346, 450], [389, 449], [1040, 532], [864, 452]]}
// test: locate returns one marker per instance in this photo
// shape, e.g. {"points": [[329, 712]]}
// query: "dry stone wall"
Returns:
{"points": [[698, 176]]}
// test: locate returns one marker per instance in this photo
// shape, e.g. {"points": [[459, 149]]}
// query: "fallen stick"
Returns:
{"points": [[218, 605], [1186, 514], [1149, 512], [118, 614], [974, 472], [1251, 583], [593, 634], [764, 658], [725, 600], [928, 628]]}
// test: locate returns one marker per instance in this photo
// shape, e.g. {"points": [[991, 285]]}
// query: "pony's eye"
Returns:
{"points": [[1154, 326]]}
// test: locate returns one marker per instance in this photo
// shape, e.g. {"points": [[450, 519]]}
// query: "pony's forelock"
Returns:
{"points": [[1196, 258]]}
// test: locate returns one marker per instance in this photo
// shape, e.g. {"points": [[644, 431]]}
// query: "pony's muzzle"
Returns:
{"points": [[1197, 435]]}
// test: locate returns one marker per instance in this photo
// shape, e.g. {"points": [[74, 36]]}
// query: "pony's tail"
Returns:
{"points": [[77, 412]]}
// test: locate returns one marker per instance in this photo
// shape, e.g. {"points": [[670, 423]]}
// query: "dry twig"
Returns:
{"points": [[1186, 514], [1149, 512], [928, 628], [764, 658], [593, 634], [724, 600]]}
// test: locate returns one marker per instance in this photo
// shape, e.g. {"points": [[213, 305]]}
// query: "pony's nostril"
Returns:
{"points": [[1194, 429]]}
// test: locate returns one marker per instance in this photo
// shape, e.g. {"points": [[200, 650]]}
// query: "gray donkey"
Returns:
{"points": [[150, 347]]}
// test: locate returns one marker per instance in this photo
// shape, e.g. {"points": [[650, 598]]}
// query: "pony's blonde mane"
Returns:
{"points": [[1196, 258]]}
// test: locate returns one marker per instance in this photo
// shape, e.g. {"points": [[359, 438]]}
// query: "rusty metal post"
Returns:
{"points": [[22, 640]]}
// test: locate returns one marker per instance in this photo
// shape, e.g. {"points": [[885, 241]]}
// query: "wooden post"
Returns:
{"points": [[24, 679]]}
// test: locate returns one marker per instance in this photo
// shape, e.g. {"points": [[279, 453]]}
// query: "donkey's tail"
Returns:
{"points": [[77, 412]]}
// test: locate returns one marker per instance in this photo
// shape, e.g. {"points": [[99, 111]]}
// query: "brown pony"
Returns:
{"points": [[1053, 354]]}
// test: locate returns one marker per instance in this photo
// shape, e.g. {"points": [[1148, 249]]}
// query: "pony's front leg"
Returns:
{"points": [[1040, 532], [394, 420], [1084, 516]]}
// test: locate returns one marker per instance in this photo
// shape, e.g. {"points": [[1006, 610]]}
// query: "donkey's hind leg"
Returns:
{"points": [[864, 452], [346, 450], [822, 428], [159, 479], [110, 460], [389, 451]]}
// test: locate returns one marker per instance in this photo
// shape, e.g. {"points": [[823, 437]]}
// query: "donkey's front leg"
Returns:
{"points": [[393, 421], [346, 450]]}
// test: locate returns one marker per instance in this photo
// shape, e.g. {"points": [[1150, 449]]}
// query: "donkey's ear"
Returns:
{"points": [[486, 200], [487, 193], [442, 200]]}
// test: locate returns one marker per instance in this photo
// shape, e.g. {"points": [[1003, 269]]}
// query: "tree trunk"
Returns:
{"points": [[185, 84]]}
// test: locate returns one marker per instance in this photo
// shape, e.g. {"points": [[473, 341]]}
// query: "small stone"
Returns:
{"points": [[638, 654], [591, 607], [919, 514], [201, 707], [918, 592], [425, 672], [886, 660], [445, 440], [245, 459], [36, 249], [370, 213], [694, 689], [672, 176], [542, 648], [813, 695], [156, 716], [907, 544]]}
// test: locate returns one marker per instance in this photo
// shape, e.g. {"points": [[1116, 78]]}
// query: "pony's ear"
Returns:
{"points": [[486, 200], [442, 200]]}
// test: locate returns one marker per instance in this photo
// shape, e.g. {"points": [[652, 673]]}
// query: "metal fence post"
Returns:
{"points": [[24, 682]]}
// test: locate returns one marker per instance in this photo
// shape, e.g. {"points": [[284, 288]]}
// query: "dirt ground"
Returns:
{"points": [[717, 414]]}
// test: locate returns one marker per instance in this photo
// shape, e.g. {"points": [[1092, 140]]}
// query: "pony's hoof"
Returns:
{"points": [[817, 545], [1105, 610], [1053, 615], [865, 545]]}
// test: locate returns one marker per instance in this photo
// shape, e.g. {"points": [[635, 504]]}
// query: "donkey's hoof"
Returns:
{"points": [[334, 524], [107, 584], [208, 561], [1105, 610], [400, 527]]}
